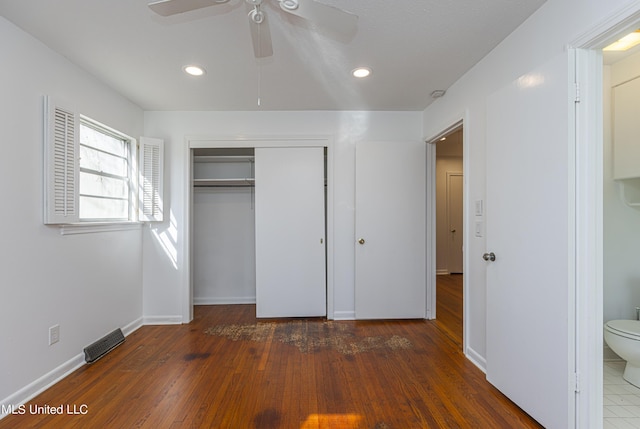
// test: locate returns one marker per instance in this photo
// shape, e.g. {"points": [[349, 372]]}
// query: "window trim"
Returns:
{"points": [[62, 167], [61, 126], [93, 227]]}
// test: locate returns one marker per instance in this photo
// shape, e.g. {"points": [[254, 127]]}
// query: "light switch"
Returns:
{"points": [[478, 207], [479, 225]]}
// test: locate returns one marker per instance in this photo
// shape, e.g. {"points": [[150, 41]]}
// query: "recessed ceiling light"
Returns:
{"points": [[194, 70], [627, 42], [361, 72]]}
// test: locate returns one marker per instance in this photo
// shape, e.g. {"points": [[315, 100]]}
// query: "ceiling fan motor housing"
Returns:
{"points": [[335, 19]]}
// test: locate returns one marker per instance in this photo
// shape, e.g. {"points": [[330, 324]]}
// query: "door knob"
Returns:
{"points": [[489, 256], [361, 241]]}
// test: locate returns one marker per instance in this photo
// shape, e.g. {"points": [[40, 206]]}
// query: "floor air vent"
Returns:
{"points": [[103, 346]]}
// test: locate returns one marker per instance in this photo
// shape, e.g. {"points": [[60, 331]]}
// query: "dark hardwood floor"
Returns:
{"points": [[449, 306], [228, 370]]}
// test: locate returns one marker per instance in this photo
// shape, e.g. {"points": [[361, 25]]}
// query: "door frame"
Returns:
{"points": [[244, 141], [588, 138], [454, 123]]}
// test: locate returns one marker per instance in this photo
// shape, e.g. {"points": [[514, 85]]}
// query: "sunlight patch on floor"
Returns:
{"points": [[318, 421]]}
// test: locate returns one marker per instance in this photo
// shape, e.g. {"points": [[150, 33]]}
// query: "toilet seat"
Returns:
{"points": [[625, 328]]}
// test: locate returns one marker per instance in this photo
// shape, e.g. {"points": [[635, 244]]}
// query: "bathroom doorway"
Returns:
{"points": [[621, 220], [598, 258]]}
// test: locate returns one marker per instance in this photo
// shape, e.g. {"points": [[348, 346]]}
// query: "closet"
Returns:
{"points": [[259, 227], [223, 226]]}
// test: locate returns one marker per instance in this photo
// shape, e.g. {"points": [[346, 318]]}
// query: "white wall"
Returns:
{"points": [[224, 266], [164, 271], [539, 39], [89, 284], [621, 223]]}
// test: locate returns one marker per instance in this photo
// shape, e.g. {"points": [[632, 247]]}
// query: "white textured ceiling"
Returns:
{"points": [[413, 46]]}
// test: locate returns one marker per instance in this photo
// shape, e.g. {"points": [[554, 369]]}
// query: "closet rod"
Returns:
{"points": [[223, 158], [239, 182], [223, 186]]}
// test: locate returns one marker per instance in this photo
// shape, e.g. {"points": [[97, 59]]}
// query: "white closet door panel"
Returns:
{"points": [[290, 232], [390, 221]]}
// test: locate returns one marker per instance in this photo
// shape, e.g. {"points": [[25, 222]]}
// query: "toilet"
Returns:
{"points": [[623, 337]]}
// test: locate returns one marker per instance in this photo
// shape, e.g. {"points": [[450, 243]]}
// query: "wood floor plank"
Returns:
{"points": [[296, 373]]}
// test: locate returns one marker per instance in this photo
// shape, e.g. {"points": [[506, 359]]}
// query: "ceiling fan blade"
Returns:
{"points": [[261, 37], [173, 7], [331, 17]]}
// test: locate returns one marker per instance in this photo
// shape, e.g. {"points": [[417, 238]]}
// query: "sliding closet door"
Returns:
{"points": [[290, 232]]}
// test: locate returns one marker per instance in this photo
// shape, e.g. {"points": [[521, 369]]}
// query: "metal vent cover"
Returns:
{"points": [[103, 346]]}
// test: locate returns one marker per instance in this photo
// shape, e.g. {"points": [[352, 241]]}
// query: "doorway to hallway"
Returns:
{"points": [[449, 226], [449, 203]]}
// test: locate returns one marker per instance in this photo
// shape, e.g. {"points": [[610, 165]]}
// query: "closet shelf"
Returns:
{"points": [[223, 158], [239, 182]]}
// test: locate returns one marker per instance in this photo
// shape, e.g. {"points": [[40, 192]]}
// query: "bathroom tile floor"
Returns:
{"points": [[621, 399]]}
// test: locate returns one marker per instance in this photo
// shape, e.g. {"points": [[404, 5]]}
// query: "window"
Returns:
{"points": [[91, 174], [105, 182]]}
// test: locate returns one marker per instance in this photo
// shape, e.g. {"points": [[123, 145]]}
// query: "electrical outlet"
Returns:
{"points": [[54, 334]]}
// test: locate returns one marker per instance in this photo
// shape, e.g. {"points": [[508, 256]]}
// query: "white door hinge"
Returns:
{"points": [[577, 99], [576, 382]]}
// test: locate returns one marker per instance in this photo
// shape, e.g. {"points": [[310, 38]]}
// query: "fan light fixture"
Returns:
{"points": [[361, 72], [194, 70], [626, 43], [289, 4]]}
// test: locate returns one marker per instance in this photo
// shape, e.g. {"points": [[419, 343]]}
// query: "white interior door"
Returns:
{"points": [[290, 232], [390, 230], [455, 212], [529, 344]]}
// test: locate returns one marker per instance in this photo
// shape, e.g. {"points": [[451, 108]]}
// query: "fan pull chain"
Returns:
{"points": [[259, 79], [259, 64]]}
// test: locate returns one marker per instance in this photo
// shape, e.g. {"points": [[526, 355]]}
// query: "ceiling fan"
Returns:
{"points": [[337, 20]]}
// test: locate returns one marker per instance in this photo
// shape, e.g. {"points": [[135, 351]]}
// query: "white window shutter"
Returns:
{"points": [[61, 164], [151, 180]]}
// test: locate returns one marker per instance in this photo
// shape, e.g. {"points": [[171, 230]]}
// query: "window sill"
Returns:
{"points": [[93, 227]]}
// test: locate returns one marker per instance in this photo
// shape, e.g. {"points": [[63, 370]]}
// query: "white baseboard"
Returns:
{"points": [[162, 320], [224, 300], [442, 272], [477, 359], [344, 315], [41, 384], [132, 327]]}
